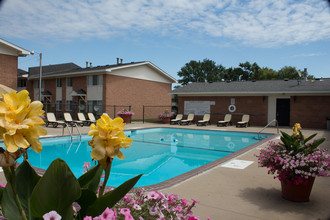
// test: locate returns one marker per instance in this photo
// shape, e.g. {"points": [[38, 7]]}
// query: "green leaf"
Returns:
{"points": [[112, 197], [309, 138], [8, 205], [317, 143], [87, 198], [26, 180], [56, 190], [2, 189], [91, 179]]}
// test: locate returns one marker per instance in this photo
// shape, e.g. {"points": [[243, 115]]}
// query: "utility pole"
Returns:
{"points": [[40, 76]]}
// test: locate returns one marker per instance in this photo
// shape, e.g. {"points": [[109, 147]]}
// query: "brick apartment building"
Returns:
{"points": [[9, 54], [288, 101], [70, 88]]}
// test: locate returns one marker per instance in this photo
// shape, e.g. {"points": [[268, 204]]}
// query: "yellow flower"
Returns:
{"points": [[297, 127], [20, 121], [108, 139]]}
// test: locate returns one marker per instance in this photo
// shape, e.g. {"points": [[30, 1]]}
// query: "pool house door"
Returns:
{"points": [[283, 112]]}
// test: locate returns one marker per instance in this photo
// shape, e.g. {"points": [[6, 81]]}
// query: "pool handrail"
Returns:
{"points": [[276, 123]]}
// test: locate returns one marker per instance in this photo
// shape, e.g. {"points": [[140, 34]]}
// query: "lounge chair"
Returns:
{"points": [[226, 121], [244, 122], [91, 117], [189, 120], [177, 119], [81, 117], [51, 120], [70, 122], [205, 121]]}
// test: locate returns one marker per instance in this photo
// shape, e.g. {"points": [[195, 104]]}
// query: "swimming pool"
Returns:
{"points": [[158, 153]]}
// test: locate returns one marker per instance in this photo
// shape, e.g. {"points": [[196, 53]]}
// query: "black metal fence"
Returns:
{"points": [[150, 113], [97, 109]]}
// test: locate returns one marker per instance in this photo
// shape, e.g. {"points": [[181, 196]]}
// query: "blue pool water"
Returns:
{"points": [[158, 153]]}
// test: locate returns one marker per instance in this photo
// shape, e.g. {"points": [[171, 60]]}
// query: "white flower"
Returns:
{"points": [[52, 215]]}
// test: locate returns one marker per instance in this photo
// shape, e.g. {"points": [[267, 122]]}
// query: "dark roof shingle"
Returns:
{"points": [[257, 87]]}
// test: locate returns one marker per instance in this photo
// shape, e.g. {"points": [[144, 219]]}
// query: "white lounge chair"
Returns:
{"points": [[91, 117], [226, 121], [51, 120], [81, 117], [205, 121], [70, 122], [177, 119], [244, 122], [189, 120]]}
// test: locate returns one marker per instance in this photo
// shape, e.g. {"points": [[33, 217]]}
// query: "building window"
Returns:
{"points": [[21, 83], [94, 80], [58, 82], [59, 105], [94, 106], [68, 106], [36, 84], [69, 82]]}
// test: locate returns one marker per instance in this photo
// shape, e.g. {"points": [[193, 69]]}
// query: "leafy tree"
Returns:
{"points": [[197, 71], [288, 72], [268, 74], [208, 71]]}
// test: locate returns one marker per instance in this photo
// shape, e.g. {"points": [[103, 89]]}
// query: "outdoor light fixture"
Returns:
{"points": [[40, 72]]}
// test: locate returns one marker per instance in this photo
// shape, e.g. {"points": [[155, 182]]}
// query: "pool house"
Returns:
{"points": [[287, 101]]}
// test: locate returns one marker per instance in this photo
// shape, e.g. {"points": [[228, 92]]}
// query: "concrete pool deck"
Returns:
{"points": [[249, 193]]}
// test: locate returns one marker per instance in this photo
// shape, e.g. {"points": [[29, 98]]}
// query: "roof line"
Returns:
{"points": [[226, 93], [144, 63], [23, 52]]}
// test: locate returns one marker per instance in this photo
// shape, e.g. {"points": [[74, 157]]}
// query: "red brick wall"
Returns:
{"points": [[50, 85], [256, 106], [126, 91], [310, 111], [8, 70]]}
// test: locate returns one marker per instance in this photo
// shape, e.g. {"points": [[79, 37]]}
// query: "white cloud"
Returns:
{"points": [[257, 22]]}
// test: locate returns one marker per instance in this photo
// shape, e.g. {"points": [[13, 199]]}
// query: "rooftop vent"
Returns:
{"points": [[119, 60]]}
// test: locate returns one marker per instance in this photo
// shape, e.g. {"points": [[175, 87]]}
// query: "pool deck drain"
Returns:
{"points": [[237, 164]]}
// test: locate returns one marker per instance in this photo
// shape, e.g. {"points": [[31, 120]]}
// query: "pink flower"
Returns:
{"points": [[153, 211], [127, 213], [88, 218], [108, 214], [52, 215], [153, 195], [136, 207], [3, 185]]}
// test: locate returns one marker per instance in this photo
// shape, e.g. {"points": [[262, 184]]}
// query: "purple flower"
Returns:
{"points": [[52, 215]]}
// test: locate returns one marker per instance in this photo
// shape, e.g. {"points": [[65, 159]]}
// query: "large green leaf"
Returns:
{"points": [[87, 198], [112, 197], [1, 192], [26, 180], [309, 138], [56, 190], [91, 179], [8, 205]]}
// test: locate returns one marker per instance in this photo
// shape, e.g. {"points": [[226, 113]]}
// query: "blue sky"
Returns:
{"points": [[170, 33]]}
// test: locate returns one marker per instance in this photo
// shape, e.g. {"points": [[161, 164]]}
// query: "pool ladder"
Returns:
{"points": [[276, 123], [67, 125]]}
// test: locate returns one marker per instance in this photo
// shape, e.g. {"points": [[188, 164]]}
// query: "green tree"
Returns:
{"points": [[197, 71], [251, 71], [288, 72], [268, 74]]}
